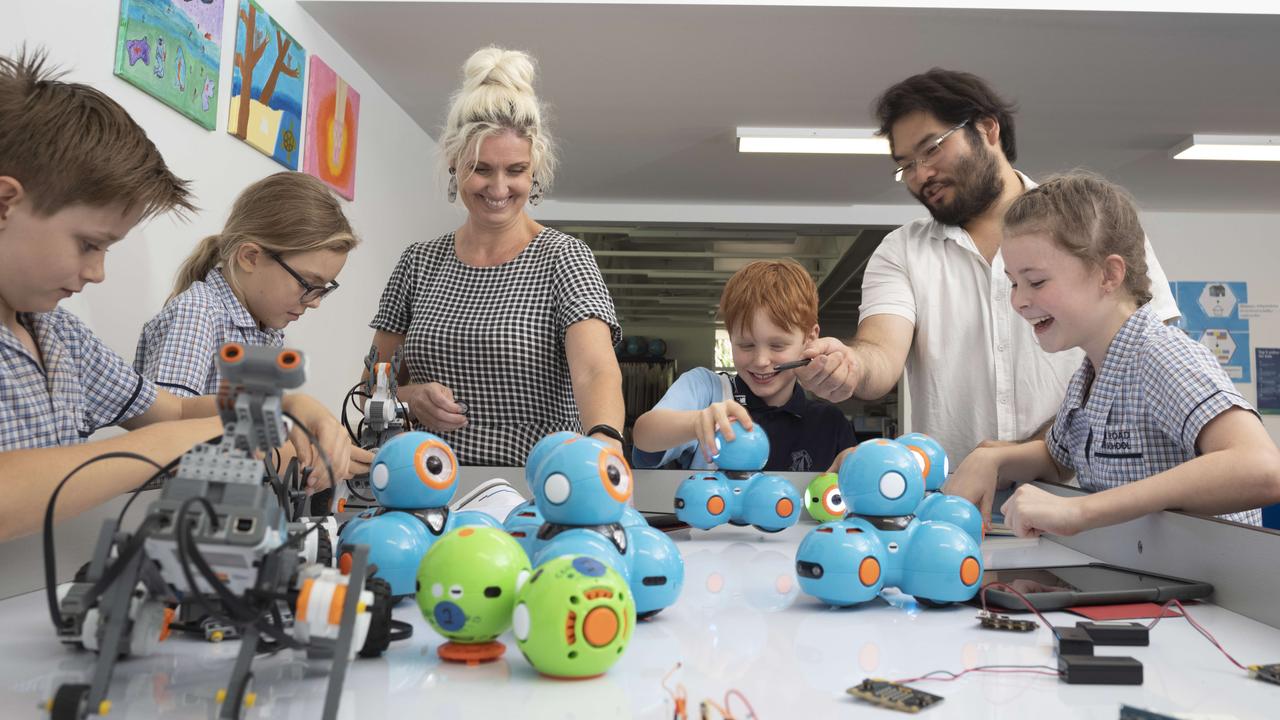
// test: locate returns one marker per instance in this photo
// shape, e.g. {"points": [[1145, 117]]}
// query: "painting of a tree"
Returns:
{"points": [[266, 86]]}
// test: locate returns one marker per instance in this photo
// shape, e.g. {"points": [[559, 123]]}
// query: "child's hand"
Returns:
{"points": [[718, 415], [975, 480], [1032, 511], [835, 464], [331, 437], [433, 406]]}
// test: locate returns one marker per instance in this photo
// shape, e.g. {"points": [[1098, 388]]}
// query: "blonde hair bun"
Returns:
{"points": [[510, 69]]}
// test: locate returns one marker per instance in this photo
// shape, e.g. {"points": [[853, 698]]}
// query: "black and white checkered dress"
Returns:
{"points": [[495, 337]]}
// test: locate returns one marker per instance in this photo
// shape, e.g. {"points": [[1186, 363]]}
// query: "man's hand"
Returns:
{"points": [[834, 372]]}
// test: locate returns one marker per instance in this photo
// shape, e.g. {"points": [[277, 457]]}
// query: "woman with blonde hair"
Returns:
{"points": [[278, 255], [506, 326]]}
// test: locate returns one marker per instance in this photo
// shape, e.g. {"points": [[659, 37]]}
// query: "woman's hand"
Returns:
{"points": [[719, 415], [433, 406]]}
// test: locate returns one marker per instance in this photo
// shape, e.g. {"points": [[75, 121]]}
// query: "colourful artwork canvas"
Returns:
{"points": [[172, 50], [266, 86], [333, 117]]}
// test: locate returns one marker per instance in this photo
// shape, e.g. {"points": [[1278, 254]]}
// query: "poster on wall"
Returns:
{"points": [[333, 117], [1268, 363], [172, 50], [266, 86], [1211, 316]]}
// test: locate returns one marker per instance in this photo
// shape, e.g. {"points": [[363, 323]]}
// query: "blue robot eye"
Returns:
{"points": [[556, 488], [893, 485], [380, 476], [435, 464]]}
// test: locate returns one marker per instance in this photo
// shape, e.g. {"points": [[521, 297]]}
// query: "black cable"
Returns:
{"points": [[315, 443], [50, 561], [400, 630]]}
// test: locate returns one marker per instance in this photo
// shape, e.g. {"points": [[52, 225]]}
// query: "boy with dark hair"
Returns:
{"points": [[76, 175]]}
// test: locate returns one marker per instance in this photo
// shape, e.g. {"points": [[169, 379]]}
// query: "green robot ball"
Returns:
{"points": [[822, 498], [574, 617], [466, 588]]}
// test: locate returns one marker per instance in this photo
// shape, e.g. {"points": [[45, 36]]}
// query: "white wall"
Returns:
{"points": [[398, 200]]}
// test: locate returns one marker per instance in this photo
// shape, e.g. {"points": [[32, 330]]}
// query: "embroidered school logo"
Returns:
{"points": [[801, 461]]}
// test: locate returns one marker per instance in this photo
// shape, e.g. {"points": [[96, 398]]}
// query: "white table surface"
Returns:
{"points": [[741, 622]]}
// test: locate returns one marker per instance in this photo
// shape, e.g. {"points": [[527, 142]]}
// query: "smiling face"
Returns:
{"points": [[495, 192], [272, 296], [46, 259], [1063, 298], [962, 179], [759, 345]]}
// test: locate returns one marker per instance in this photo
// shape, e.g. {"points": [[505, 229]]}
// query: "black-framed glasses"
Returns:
{"points": [[310, 293], [925, 157]]}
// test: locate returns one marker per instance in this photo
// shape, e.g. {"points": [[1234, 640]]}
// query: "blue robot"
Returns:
{"points": [[413, 477], [880, 543], [581, 488], [937, 506], [738, 493]]}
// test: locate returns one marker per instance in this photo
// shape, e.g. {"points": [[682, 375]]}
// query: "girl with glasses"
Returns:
{"points": [[278, 255]]}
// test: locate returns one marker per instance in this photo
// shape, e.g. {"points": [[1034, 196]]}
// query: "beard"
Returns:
{"points": [[975, 182]]}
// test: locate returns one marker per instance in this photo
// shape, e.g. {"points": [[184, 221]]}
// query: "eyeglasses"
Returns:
{"points": [[926, 157], [310, 293]]}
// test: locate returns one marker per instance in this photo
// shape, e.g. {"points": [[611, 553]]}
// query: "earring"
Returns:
{"points": [[535, 193], [453, 185]]}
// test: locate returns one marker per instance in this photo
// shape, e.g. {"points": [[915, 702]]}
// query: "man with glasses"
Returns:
{"points": [[935, 299]]}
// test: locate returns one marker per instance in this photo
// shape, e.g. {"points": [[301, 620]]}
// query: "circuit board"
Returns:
{"points": [[992, 621], [893, 696]]}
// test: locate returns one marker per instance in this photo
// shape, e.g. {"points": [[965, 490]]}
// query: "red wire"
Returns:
{"points": [[1028, 670], [983, 597], [1200, 628]]}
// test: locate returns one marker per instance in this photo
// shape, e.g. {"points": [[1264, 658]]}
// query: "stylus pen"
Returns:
{"points": [[792, 365]]}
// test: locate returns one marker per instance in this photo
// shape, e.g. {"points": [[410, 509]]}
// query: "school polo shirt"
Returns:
{"points": [[1157, 390], [974, 371], [177, 347], [805, 435], [82, 386]]}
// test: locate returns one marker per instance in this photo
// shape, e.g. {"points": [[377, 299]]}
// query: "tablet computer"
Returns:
{"points": [[1064, 586]]}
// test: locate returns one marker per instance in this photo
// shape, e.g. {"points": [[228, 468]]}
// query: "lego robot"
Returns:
{"points": [[218, 530]]}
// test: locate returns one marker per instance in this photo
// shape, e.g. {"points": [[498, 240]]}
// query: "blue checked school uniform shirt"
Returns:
{"points": [[1157, 390], [177, 347], [81, 387]]}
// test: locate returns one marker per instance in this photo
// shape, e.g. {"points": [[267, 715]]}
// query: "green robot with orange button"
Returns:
{"points": [[574, 617], [467, 588]]}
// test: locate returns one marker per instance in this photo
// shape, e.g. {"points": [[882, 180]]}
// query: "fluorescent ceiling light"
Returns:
{"points": [[834, 141], [1228, 147]]}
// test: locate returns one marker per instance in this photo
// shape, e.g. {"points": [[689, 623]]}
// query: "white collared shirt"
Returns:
{"points": [[974, 371]]}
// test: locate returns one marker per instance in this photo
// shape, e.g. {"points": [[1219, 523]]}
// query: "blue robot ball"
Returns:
{"points": [[748, 451], [657, 348], [581, 481], [881, 478], [932, 458], [414, 470]]}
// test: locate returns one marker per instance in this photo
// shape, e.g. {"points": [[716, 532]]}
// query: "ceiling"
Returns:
{"points": [[645, 100]]}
